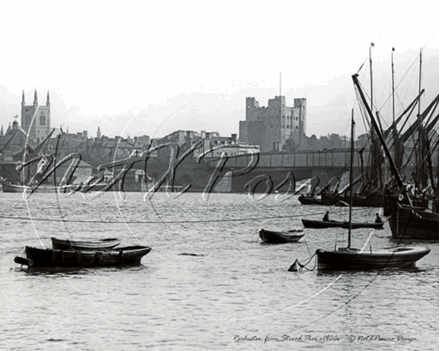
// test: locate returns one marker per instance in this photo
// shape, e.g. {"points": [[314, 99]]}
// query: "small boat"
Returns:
{"points": [[375, 199], [351, 259], [101, 244], [50, 258], [62, 189], [309, 200], [16, 188], [316, 224], [290, 236]]}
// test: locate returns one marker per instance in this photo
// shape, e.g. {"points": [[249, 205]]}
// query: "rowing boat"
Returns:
{"points": [[51, 258], [290, 236], [317, 224]]}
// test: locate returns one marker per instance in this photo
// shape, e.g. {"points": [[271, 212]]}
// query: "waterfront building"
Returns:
{"points": [[270, 127], [212, 144]]}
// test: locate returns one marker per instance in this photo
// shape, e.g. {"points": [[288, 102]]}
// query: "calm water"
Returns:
{"points": [[233, 295]]}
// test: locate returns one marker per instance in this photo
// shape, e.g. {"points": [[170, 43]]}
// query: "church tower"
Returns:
{"points": [[35, 118]]}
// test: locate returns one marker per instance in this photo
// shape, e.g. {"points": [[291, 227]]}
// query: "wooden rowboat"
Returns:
{"points": [[291, 236], [100, 244], [316, 224], [50, 258]]}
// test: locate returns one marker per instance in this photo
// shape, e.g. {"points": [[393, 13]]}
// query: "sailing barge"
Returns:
{"points": [[414, 223], [347, 258]]}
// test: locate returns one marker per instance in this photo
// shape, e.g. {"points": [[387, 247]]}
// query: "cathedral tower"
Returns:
{"points": [[35, 118]]}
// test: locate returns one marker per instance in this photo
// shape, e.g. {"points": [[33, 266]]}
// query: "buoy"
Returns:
{"points": [[295, 267]]}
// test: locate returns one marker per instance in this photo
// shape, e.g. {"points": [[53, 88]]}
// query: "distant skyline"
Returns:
{"points": [[152, 68]]}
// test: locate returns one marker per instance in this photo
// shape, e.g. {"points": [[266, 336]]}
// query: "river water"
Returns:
{"points": [[208, 282]]}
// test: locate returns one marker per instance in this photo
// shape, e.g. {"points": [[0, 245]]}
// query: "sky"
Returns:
{"points": [[150, 68]]}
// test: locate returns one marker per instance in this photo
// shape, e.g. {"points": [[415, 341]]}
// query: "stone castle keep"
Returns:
{"points": [[37, 128], [271, 126]]}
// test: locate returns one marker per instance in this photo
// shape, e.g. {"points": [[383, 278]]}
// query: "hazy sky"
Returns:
{"points": [[150, 67]]}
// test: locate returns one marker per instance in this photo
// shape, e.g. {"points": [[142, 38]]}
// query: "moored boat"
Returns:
{"points": [[102, 244], [290, 236], [316, 224], [351, 259], [17, 188], [50, 258], [309, 200], [373, 200], [414, 223]]}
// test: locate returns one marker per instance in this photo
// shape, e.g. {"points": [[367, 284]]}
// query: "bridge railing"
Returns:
{"points": [[298, 159]]}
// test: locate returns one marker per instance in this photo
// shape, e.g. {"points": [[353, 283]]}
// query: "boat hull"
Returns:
{"points": [[348, 259], [49, 258], [414, 224], [309, 200], [308, 223], [102, 244], [272, 237], [14, 188], [374, 200]]}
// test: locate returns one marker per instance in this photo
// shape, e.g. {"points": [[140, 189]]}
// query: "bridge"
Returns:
{"points": [[239, 173], [260, 172], [275, 168], [324, 164]]}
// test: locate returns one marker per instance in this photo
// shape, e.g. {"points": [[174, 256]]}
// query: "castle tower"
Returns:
{"points": [[35, 118], [271, 126]]}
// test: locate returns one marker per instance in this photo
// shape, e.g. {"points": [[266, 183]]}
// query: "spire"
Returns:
{"points": [[47, 101], [35, 98], [22, 98], [1, 130], [98, 133]]}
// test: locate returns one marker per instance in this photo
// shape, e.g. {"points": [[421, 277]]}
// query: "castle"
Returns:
{"points": [[35, 118], [271, 126]]}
